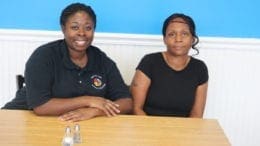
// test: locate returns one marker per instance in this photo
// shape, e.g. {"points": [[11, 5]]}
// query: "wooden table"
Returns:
{"points": [[23, 128]]}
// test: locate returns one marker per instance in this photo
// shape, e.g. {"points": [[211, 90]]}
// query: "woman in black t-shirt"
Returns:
{"points": [[172, 83]]}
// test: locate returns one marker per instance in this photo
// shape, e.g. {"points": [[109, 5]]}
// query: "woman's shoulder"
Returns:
{"points": [[198, 64], [99, 55], [153, 56], [45, 51], [197, 61], [50, 46], [151, 60]]}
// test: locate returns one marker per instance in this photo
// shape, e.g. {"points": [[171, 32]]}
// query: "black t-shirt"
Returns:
{"points": [[171, 92], [50, 73]]}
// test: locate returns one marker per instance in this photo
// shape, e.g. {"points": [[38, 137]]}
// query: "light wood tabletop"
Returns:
{"points": [[23, 128]]}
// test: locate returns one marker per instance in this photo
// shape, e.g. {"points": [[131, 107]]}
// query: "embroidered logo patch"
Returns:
{"points": [[97, 82]]}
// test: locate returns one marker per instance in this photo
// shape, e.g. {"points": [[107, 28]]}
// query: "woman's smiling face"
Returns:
{"points": [[78, 31]]}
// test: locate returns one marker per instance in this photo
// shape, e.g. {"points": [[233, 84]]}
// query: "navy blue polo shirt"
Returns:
{"points": [[50, 73]]}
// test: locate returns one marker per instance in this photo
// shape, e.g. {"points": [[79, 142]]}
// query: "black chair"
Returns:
{"points": [[20, 83]]}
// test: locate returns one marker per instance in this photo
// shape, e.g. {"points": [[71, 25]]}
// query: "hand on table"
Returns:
{"points": [[80, 114], [109, 107]]}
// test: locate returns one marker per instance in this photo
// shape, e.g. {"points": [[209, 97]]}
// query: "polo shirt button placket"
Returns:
{"points": [[80, 81]]}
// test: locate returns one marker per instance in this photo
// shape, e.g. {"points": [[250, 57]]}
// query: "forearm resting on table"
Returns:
{"points": [[58, 106], [124, 107]]}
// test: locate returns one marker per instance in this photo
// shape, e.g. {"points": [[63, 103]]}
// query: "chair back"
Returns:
{"points": [[20, 83]]}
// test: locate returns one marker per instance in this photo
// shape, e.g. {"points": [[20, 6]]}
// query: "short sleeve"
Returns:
{"points": [[203, 73], [145, 65], [38, 77], [116, 86]]}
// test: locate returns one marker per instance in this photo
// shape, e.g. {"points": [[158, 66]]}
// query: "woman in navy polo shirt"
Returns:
{"points": [[70, 77]]}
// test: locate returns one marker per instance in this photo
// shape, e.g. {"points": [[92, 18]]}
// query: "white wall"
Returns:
{"points": [[233, 69]]}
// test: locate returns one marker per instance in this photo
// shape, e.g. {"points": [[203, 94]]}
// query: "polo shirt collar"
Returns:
{"points": [[70, 65]]}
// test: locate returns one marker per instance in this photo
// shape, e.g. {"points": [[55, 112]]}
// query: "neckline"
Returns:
{"points": [[166, 62]]}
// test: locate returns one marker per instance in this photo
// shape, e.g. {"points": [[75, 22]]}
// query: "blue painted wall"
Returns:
{"points": [[221, 18]]}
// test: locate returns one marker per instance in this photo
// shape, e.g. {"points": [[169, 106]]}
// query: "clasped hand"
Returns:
{"points": [[109, 107], [95, 105]]}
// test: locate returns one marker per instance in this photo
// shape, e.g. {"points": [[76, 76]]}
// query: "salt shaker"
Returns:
{"points": [[67, 139], [76, 135]]}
